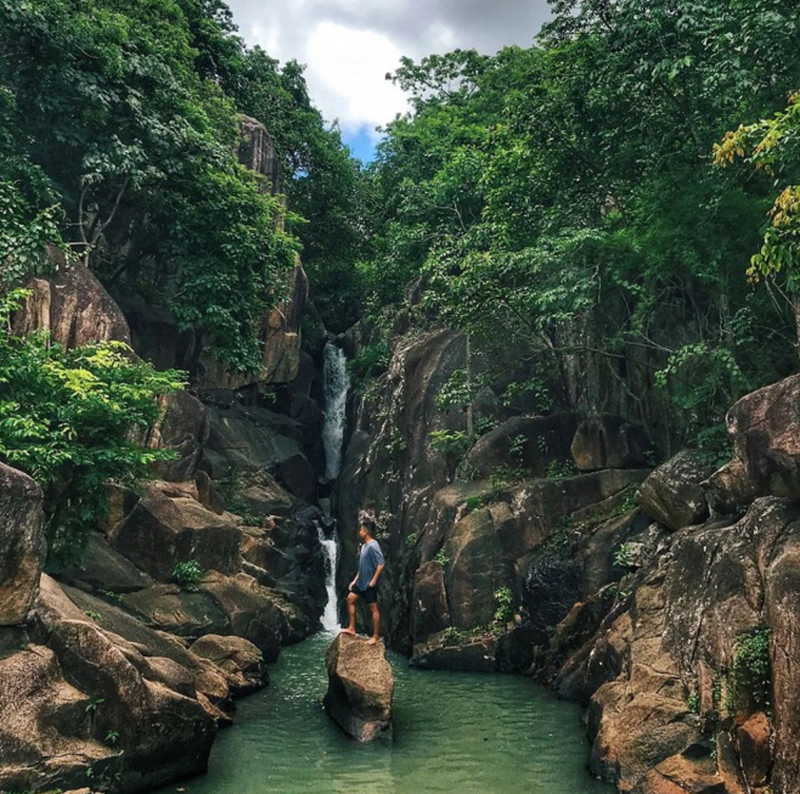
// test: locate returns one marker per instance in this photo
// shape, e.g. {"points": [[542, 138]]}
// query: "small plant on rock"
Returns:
{"points": [[752, 671], [187, 575], [441, 558], [560, 468], [623, 556], [473, 502], [504, 603]]}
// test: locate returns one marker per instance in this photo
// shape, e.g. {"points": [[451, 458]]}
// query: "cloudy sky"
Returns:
{"points": [[349, 45]]}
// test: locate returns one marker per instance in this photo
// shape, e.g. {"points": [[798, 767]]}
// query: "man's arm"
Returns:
{"points": [[378, 571]]}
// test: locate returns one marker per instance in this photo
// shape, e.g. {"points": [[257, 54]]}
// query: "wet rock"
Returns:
{"points": [[161, 531], [606, 441], [22, 544], [673, 495], [239, 658], [360, 688], [765, 426]]}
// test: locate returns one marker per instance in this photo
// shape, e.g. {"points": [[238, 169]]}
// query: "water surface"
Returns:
{"points": [[460, 733]]}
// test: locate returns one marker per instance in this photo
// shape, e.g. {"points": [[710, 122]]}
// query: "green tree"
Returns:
{"points": [[123, 112]]}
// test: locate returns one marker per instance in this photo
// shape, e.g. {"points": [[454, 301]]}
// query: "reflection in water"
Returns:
{"points": [[454, 732]]}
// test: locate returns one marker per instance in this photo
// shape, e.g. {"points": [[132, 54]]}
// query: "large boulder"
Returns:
{"points": [[729, 489], [183, 429], [606, 441], [673, 494], [360, 688], [161, 532], [72, 306], [103, 569], [239, 658], [78, 701], [156, 654], [166, 607], [22, 544], [254, 612], [686, 708], [765, 426]]}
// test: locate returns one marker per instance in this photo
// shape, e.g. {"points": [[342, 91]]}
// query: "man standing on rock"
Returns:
{"points": [[370, 567]]}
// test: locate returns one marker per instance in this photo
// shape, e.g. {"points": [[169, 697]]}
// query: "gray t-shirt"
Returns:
{"points": [[370, 558]]}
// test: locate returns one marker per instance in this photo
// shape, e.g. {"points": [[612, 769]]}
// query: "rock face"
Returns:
{"points": [[22, 545], [184, 429], [360, 688], [605, 441], [531, 442], [73, 306], [688, 682], [765, 427], [258, 153]]}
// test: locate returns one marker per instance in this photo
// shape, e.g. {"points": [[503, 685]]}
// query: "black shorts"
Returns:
{"points": [[369, 594]]}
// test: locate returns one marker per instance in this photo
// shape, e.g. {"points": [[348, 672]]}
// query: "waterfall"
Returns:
{"points": [[330, 617], [336, 383]]}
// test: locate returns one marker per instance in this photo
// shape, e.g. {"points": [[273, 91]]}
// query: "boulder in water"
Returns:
{"points": [[360, 687]]}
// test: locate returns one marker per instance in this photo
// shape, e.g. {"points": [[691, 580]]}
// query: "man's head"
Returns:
{"points": [[367, 529]]}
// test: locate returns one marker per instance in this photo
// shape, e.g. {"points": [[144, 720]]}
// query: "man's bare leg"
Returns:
{"points": [[376, 624], [351, 614]]}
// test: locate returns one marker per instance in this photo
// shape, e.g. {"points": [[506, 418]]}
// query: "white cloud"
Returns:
{"points": [[349, 45], [346, 70]]}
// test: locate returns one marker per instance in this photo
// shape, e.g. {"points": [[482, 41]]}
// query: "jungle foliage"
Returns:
{"points": [[575, 182], [75, 420], [119, 120]]}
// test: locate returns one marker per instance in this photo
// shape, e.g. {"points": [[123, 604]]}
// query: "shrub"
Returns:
{"points": [[504, 602], [187, 575], [69, 418], [752, 671]]}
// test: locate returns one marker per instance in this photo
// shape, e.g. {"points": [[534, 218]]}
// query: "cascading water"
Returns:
{"points": [[330, 617], [336, 384]]}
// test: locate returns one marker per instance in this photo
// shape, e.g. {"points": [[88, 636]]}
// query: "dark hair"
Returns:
{"points": [[369, 525]]}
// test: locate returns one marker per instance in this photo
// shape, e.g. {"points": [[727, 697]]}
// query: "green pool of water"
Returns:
{"points": [[460, 733]]}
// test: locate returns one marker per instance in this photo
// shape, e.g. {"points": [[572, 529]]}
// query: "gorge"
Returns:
{"points": [[547, 340]]}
